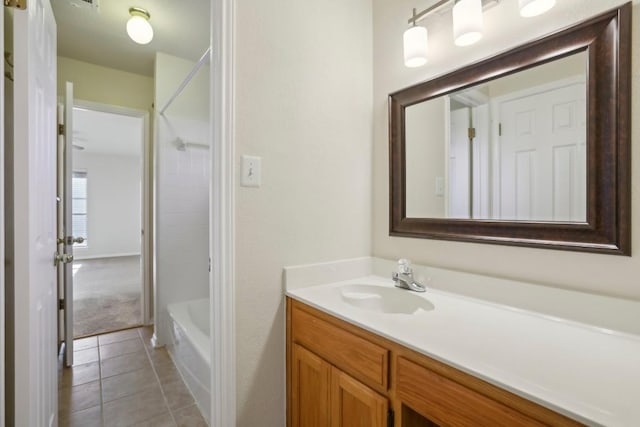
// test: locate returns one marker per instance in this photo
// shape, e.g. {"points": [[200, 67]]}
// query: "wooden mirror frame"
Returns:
{"points": [[607, 42]]}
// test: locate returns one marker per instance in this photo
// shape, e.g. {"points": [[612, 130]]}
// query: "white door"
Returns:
{"points": [[459, 165], [543, 156], [35, 215], [67, 221]]}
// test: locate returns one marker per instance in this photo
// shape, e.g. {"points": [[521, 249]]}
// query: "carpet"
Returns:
{"points": [[107, 295]]}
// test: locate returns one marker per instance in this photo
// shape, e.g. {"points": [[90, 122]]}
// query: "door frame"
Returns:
{"points": [[146, 241], [2, 254], [222, 215]]}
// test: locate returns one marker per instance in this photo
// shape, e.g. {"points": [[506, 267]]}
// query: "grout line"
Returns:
{"points": [[100, 379], [155, 372]]}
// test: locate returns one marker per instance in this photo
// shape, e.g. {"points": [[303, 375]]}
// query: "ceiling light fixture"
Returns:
{"points": [[416, 45], [467, 22], [138, 26], [529, 8]]}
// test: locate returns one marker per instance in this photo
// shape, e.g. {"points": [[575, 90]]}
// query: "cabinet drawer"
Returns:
{"points": [[360, 358], [442, 400]]}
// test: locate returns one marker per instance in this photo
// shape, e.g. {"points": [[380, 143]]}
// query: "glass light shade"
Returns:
{"points": [[415, 46], [139, 29], [467, 22], [529, 8]]}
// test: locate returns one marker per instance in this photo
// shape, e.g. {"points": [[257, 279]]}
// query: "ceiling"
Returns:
{"points": [[98, 35], [107, 133]]}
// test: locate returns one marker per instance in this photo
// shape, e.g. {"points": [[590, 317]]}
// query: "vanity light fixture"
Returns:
{"points": [[138, 27], [416, 45], [467, 22], [529, 8]]}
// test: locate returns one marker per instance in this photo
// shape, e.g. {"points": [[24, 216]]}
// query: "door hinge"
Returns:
{"points": [[18, 4], [61, 304], [472, 133], [499, 129], [61, 129], [390, 420]]}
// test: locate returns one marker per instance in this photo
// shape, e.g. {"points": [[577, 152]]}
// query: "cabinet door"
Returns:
{"points": [[310, 381], [355, 405]]}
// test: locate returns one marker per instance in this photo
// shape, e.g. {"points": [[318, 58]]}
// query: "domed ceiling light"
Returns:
{"points": [[138, 27]]}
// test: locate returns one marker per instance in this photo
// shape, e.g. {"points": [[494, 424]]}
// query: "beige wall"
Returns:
{"points": [[193, 101], [573, 66], [602, 274], [303, 104], [425, 154], [105, 85]]}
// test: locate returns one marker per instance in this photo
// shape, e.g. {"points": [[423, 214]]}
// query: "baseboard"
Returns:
{"points": [[81, 257]]}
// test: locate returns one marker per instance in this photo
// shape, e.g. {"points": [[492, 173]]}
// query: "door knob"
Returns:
{"points": [[61, 258]]}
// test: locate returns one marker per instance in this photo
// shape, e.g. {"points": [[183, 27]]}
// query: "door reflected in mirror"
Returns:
{"points": [[513, 148]]}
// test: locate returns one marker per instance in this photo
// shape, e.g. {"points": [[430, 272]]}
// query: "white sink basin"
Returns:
{"points": [[384, 299]]}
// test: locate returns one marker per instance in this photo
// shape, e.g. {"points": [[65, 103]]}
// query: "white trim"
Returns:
{"points": [[146, 243], [80, 257], [222, 211]]}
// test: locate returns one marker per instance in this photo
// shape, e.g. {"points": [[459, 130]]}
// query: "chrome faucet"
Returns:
{"points": [[403, 278]]}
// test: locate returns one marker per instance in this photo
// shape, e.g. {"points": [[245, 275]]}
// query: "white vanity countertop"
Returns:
{"points": [[587, 373]]}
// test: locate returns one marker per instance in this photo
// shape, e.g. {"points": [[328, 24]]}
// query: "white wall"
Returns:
{"points": [[182, 190], [601, 274], [114, 204], [303, 104]]}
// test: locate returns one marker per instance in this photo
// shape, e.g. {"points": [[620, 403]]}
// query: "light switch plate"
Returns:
{"points": [[251, 171], [439, 186]]}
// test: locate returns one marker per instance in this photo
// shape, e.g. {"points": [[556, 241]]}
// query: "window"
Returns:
{"points": [[79, 207]]}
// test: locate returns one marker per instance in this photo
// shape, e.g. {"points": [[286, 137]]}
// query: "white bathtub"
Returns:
{"points": [[190, 348]]}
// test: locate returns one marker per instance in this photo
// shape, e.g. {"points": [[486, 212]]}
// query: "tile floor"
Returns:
{"points": [[118, 379]]}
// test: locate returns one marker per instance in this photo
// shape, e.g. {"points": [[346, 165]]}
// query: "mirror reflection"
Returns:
{"points": [[513, 148]]}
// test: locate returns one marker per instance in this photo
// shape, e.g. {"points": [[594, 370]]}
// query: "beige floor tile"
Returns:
{"points": [[165, 420], [73, 399], [127, 384], [167, 372], [120, 348], [159, 355], [91, 417], [177, 394], [189, 417], [125, 363], [146, 332], [88, 355], [135, 409], [79, 374], [127, 334], [84, 343]]}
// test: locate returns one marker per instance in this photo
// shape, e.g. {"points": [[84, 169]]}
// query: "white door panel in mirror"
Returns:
{"points": [[513, 148]]}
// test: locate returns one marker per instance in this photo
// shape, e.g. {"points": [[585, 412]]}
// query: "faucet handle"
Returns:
{"points": [[404, 266]]}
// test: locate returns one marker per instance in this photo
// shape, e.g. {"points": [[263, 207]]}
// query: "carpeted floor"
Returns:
{"points": [[106, 295]]}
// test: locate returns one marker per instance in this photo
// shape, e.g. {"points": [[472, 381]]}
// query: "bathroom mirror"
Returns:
{"points": [[530, 147]]}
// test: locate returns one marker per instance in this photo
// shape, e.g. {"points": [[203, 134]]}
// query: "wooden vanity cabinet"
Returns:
{"points": [[320, 393], [339, 375], [323, 395]]}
